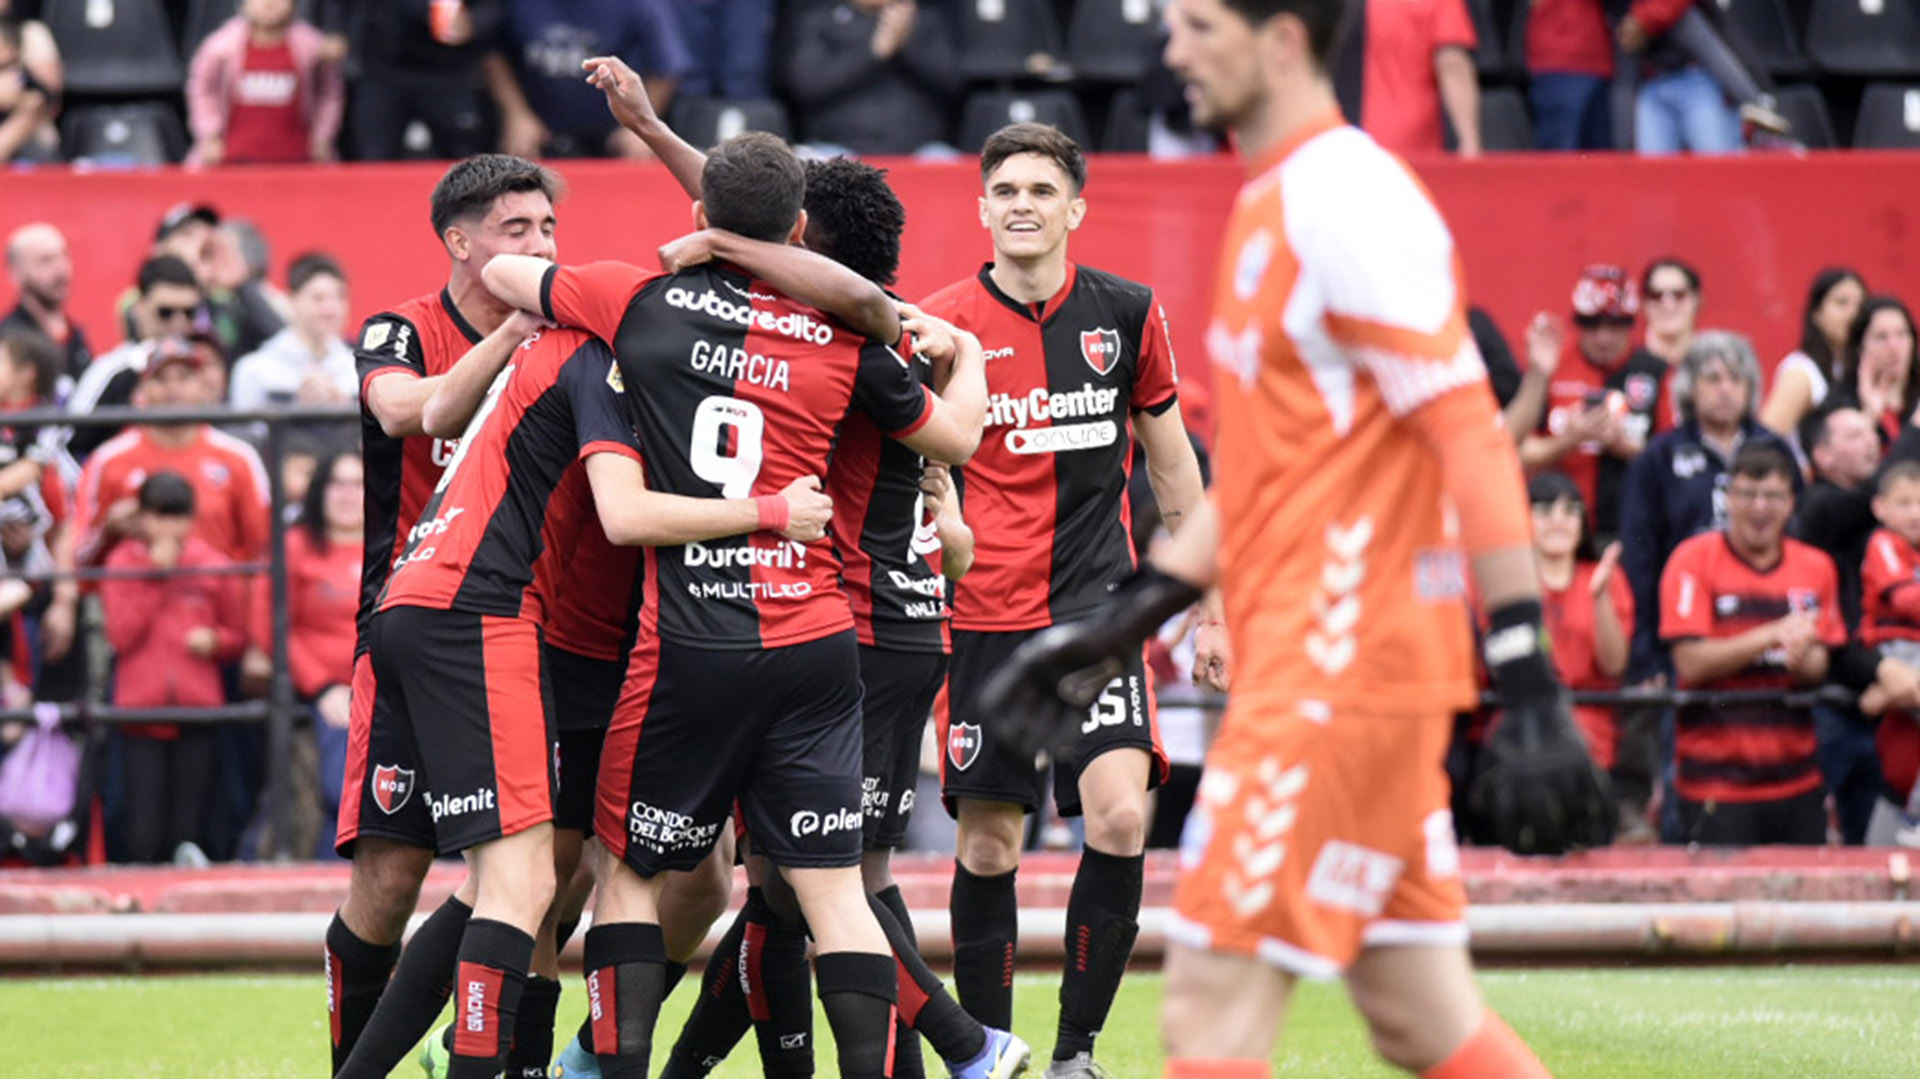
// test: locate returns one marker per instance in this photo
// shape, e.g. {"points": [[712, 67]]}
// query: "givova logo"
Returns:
{"points": [[795, 324]]}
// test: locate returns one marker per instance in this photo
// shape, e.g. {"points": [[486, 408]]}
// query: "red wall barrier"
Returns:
{"points": [[1757, 227]]}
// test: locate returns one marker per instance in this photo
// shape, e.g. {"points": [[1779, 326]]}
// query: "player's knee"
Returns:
{"points": [[1398, 1028], [989, 840], [385, 883], [1119, 829]]}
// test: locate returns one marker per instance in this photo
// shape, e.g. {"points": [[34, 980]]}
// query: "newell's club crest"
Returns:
{"points": [[963, 745], [392, 786], [1101, 349]]}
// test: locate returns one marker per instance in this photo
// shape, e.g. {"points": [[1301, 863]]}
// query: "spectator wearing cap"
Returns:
{"points": [[42, 271], [229, 481], [171, 629], [305, 364], [168, 300], [262, 90], [1589, 608], [238, 310], [1678, 487], [1602, 398]]}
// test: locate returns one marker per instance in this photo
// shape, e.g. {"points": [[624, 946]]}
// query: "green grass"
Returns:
{"points": [[1773, 1022]]}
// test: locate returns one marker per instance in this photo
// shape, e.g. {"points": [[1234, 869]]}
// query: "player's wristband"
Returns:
{"points": [[1517, 652], [775, 514]]}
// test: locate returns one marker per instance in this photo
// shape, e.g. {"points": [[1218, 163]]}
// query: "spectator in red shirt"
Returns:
{"points": [[262, 90], [1750, 609], [171, 634], [1589, 608], [323, 593], [1405, 62], [1602, 399], [1890, 624], [230, 483], [1569, 63]]}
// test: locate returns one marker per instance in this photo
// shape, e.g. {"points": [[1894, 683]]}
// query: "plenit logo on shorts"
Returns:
{"points": [[447, 805], [807, 822], [1026, 413], [392, 786], [795, 324]]}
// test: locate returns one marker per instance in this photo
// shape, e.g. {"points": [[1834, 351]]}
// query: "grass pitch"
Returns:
{"points": [[1704, 1023]]}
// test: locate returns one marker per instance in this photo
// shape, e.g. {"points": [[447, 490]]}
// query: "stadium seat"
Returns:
{"points": [[1112, 40], [1889, 117], [709, 121], [124, 135], [1865, 37], [1806, 108], [1128, 124], [115, 46], [1762, 30], [1000, 39], [1505, 124], [988, 111]]}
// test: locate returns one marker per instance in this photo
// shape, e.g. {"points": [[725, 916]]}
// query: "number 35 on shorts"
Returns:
{"points": [[1122, 698]]}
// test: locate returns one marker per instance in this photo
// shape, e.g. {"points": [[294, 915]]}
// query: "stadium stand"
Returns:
{"points": [[987, 111], [1112, 40], [1889, 117], [1865, 37], [122, 48]]}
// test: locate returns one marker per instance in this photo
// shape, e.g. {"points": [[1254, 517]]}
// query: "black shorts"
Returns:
{"points": [[380, 795], [899, 688], [583, 691], [974, 764], [466, 689], [697, 728]]}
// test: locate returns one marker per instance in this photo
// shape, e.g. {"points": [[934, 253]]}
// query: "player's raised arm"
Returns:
{"points": [[634, 516], [628, 101]]}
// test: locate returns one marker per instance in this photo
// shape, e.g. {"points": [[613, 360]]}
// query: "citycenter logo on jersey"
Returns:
{"points": [[807, 822], [794, 324], [446, 805], [1041, 405]]}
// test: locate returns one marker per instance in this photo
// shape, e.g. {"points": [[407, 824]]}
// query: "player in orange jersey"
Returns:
{"points": [[1361, 468]]}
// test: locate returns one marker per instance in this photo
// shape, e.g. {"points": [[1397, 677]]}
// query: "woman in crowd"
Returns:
{"points": [[1878, 372], [323, 590], [1805, 375], [1589, 608]]}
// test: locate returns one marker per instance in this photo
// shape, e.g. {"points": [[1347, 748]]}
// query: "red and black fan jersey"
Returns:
{"points": [[1046, 492], [1745, 752], [558, 400], [423, 337], [1889, 590], [737, 392], [888, 546], [589, 586]]}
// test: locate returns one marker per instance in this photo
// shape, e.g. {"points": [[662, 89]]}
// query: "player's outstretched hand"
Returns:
{"points": [[690, 250], [1046, 687], [626, 95], [809, 510], [1538, 789]]}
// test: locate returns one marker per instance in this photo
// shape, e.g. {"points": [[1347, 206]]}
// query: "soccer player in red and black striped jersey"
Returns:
{"points": [[1078, 366], [739, 389], [457, 339], [1748, 608]]}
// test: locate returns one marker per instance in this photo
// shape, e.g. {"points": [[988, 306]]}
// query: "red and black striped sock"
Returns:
{"points": [[857, 991], [1103, 912], [908, 1061], [779, 987], [924, 1003], [986, 928], [487, 986], [626, 975], [719, 1018], [357, 972]]}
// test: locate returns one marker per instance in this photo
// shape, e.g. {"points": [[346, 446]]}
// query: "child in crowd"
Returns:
{"points": [[1890, 623]]}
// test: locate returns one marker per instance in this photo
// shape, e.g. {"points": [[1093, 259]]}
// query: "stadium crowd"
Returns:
{"points": [[213, 82]]}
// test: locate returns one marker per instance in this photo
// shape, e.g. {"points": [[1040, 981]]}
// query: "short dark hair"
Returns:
{"points": [[166, 270], [1758, 460], [1813, 340], [1044, 139], [469, 188], [1896, 472], [1325, 20], [311, 265], [1669, 262], [167, 494], [313, 507], [31, 348], [753, 185], [854, 218]]}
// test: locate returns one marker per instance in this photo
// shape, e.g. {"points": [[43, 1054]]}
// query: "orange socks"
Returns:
{"points": [[1493, 1052], [1192, 1068]]}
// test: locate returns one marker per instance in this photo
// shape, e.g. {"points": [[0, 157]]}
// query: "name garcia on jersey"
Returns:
{"points": [[1041, 405]]}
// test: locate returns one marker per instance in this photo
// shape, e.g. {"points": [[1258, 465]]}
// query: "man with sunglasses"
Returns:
{"points": [[170, 301], [1603, 397]]}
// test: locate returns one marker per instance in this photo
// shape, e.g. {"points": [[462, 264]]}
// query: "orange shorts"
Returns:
{"points": [[1314, 838]]}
